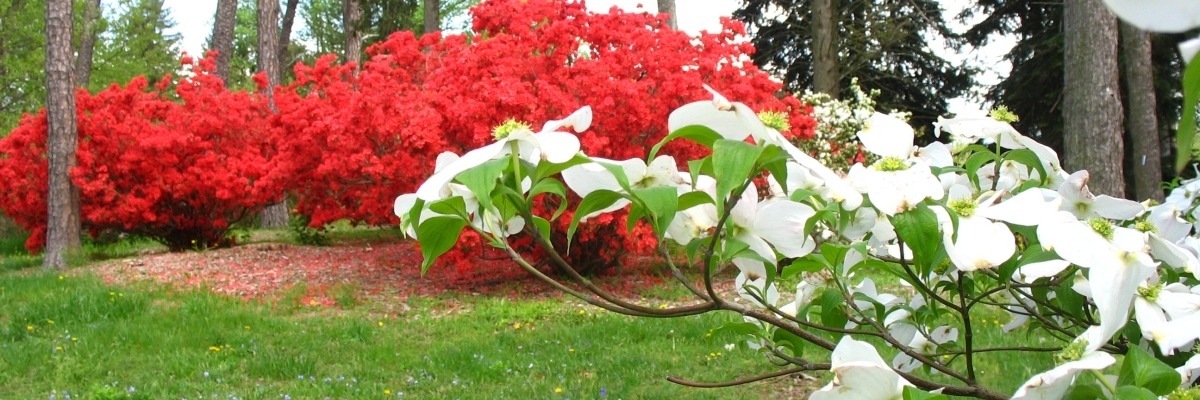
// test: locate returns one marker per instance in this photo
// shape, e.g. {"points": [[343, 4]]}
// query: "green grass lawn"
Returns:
{"points": [[68, 334]]}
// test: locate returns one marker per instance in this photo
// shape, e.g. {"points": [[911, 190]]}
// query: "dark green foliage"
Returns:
{"points": [[883, 44], [1033, 89]]}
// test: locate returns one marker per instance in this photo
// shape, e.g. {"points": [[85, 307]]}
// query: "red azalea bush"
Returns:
{"points": [[180, 163], [356, 141]]}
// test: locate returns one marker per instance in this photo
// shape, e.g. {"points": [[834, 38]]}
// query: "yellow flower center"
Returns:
{"points": [[1002, 114], [775, 120], [508, 127], [891, 164]]}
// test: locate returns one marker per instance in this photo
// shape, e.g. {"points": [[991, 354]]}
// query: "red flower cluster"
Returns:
{"points": [[185, 162], [179, 163], [356, 141]]}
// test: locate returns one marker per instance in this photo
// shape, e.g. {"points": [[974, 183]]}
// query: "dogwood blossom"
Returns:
{"points": [[860, 373], [548, 144]]}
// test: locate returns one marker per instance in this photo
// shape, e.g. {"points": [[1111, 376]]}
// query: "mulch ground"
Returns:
{"points": [[374, 269]]}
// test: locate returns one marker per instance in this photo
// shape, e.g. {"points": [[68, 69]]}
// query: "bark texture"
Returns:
{"points": [[1142, 120], [1092, 111], [87, 44], [63, 226], [275, 215], [285, 32], [825, 62], [222, 37], [351, 16], [668, 7], [433, 16]]}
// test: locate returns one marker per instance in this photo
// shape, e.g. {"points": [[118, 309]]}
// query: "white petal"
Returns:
{"points": [[1114, 208], [745, 285], [782, 223], [444, 159], [1028, 208], [860, 373], [1075, 241], [981, 244], [662, 171], [1167, 218], [1053, 384], [1119, 284], [431, 189], [725, 123], [1158, 15], [744, 212], [580, 121], [1188, 49], [558, 147], [887, 136], [973, 128], [584, 179], [1173, 255], [1043, 269]]}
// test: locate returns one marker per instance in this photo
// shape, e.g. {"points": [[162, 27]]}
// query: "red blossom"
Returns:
{"points": [[355, 142], [179, 163]]}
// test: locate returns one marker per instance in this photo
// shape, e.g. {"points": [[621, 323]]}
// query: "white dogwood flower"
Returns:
{"points": [[549, 144], [860, 373]]}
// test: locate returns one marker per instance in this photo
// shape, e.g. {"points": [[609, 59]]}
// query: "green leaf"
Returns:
{"points": [[438, 235], [1186, 134], [697, 133], [1029, 159], [662, 202], [554, 187], [482, 179], [692, 199], [1085, 391], [546, 169], [1134, 393], [738, 329], [1141, 369], [451, 206], [542, 225], [733, 161], [832, 309], [976, 161], [595, 201], [912, 393], [808, 263], [789, 340], [834, 253], [919, 230]]}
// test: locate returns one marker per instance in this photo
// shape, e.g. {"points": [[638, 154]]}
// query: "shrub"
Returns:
{"points": [[179, 163], [372, 135]]}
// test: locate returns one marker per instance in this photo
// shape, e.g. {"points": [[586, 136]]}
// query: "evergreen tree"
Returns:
{"points": [[1033, 88], [884, 44], [22, 60], [136, 44]]}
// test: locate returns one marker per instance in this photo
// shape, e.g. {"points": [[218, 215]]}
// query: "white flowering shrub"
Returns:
{"points": [[987, 224], [835, 142]]}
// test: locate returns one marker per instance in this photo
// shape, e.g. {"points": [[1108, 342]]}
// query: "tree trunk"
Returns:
{"points": [[1092, 116], [87, 44], [222, 37], [285, 32], [825, 62], [275, 215], [351, 15], [433, 16], [668, 7], [62, 214], [1142, 120]]}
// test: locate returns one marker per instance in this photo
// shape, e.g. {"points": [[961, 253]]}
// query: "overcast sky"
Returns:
{"points": [[194, 18]]}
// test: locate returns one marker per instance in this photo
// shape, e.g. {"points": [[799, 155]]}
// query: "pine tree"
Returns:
{"points": [[883, 44]]}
